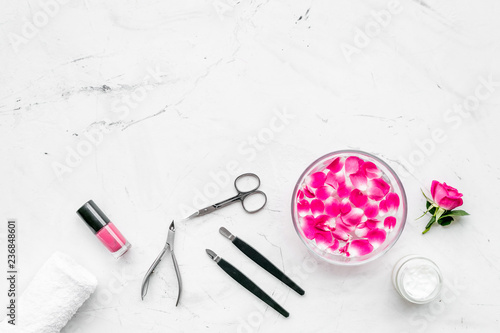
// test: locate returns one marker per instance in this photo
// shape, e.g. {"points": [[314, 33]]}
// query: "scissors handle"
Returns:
{"points": [[247, 175], [249, 194]]}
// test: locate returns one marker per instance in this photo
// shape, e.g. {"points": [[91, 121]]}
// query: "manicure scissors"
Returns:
{"points": [[169, 247], [242, 196]]}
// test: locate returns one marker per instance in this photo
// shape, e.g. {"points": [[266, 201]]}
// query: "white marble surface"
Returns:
{"points": [[182, 90]]}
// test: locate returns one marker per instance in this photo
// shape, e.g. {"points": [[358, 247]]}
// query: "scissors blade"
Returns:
{"points": [[201, 212]]}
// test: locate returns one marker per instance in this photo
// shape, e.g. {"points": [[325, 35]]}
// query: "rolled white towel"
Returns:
{"points": [[54, 295]]}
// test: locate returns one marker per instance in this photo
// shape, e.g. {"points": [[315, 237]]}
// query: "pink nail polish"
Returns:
{"points": [[104, 229]]}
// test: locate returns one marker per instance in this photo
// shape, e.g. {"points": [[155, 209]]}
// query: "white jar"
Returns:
{"points": [[417, 279]]}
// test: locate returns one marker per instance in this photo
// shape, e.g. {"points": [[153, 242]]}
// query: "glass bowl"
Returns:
{"points": [[353, 235]]}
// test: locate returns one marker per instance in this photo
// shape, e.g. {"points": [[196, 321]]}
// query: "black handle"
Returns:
{"points": [[250, 286], [266, 264]]}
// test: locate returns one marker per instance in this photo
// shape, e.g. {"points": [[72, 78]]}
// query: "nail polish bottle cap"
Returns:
{"points": [[93, 216]]}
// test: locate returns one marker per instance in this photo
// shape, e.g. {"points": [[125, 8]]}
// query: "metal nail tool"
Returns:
{"points": [[169, 247]]}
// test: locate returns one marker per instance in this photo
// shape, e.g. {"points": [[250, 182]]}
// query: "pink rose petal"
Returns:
{"points": [[352, 164], [332, 207], [357, 198], [334, 179], [376, 237], [309, 226], [377, 189], [345, 207], [335, 245], [353, 217], [323, 238], [336, 165], [343, 191], [359, 180], [371, 210], [383, 207], [371, 170], [360, 247], [362, 230], [340, 234], [372, 223], [316, 180], [390, 204], [303, 207], [324, 192], [308, 192], [392, 200], [322, 222], [345, 249], [300, 195], [317, 206], [390, 222], [341, 224]]}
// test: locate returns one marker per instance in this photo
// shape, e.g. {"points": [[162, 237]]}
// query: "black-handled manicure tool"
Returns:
{"points": [[259, 259], [246, 282]]}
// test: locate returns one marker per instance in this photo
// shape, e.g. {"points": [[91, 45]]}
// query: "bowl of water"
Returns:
{"points": [[349, 207]]}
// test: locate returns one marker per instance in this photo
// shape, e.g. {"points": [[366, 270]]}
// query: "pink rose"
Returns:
{"points": [[446, 196]]}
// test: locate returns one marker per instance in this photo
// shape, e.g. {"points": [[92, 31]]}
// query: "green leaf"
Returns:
{"points": [[429, 200], [457, 212], [429, 225], [445, 220]]}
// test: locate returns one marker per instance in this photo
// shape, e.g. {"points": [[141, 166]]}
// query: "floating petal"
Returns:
{"points": [[317, 206], [324, 192], [335, 179], [353, 217], [371, 171], [352, 164], [372, 223], [300, 195], [336, 165], [308, 192], [360, 247], [332, 207], [309, 226], [371, 210], [357, 198], [359, 180], [376, 237], [335, 245], [340, 234], [377, 189], [316, 179], [324, 238], [303, 207], [345, 207], [343, 191], [390, 222]]}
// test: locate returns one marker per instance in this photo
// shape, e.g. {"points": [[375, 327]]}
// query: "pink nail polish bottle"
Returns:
{"points": [[104, 229]]}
